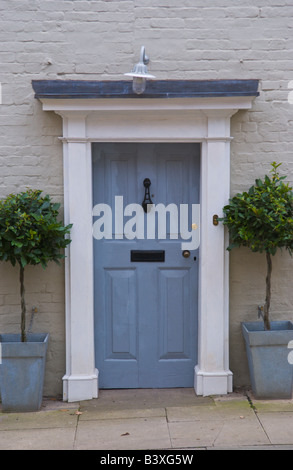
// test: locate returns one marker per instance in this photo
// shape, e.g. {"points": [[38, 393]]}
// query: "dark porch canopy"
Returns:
{"points": [[94, 89]]}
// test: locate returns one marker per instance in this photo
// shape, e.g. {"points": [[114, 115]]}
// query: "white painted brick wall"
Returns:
{"points": [[191, 39]]}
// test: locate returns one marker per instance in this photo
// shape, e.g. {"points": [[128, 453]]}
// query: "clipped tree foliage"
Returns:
{"points": [[30, 234], [262, 220]]}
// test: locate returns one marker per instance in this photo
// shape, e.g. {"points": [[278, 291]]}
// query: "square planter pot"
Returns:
{"points": [[22, 371], [271, 374]]}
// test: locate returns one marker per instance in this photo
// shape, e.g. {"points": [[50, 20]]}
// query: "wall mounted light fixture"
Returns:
{"points": [[140, 73]]}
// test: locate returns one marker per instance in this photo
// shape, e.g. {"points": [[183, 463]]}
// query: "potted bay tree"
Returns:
{"points": [[262, 220], [30, 234]]}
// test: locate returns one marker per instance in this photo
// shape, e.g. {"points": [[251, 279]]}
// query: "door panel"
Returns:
{"points": [[173, 314], [145, 312], [120, 314]]}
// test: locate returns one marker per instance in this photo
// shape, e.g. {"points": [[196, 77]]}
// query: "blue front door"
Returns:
{"points": [[145, 289]]}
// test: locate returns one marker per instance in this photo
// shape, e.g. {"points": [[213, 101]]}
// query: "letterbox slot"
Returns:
{"points": [[147, 256]]}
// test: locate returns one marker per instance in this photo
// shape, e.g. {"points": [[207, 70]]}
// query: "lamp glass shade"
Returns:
{"points": [[138, 85]]}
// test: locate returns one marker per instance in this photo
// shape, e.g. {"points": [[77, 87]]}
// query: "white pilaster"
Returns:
{"points": [[81, 378], [212, 374]]}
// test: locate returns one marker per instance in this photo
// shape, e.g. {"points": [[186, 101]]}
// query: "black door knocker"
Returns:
{"points": [[147, 199]]}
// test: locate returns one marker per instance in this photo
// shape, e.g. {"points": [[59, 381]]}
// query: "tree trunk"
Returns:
{"points": [[267, 325], [23, 307]]}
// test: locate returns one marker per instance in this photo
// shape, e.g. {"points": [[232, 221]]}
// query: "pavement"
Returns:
{"points": [[161, 421]]}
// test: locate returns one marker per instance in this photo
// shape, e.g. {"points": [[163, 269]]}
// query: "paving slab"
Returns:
{"points": [[131, 433], [53, 427], [242, 432], [99, 414], [237, 410], [38, 439], [272, 406], [278, 426], [62, 418], [192, 434]]}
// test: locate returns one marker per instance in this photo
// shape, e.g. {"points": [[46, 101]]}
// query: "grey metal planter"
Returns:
{"points": [[22, 371], [271, 374]]}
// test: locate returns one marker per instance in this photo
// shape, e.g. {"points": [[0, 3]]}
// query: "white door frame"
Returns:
{"points": [[195, 119]]}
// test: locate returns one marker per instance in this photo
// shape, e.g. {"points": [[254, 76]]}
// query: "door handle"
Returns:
{"points": [[186, 253]]}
